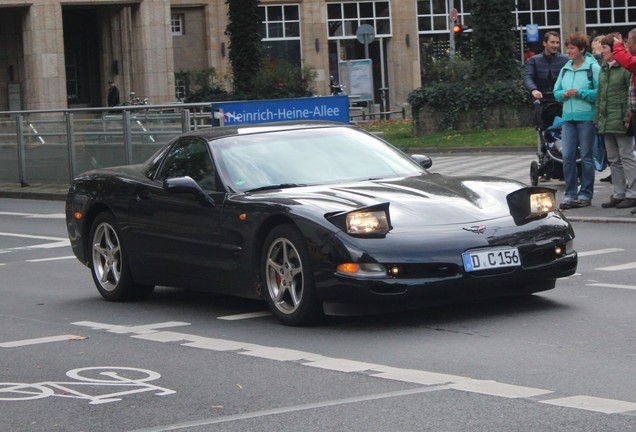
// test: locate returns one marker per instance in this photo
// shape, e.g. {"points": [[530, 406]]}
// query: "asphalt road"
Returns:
{"points": [[69, 361]]}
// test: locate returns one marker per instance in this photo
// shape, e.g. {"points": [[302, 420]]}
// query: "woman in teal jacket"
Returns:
{"points": [[576, 88], [612, 121]]}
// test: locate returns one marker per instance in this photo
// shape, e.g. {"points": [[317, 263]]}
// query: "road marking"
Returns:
{"points": [[626, 266], [606, 285], [290, 409], [454, 382], [589, 403], [36, 341], [245, 316], [115, 377], [50, 259], [56, 242], [600, 252], [35, 215], [494, 388]]}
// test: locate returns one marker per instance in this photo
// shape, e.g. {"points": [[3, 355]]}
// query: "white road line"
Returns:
{"points": [[454, 382], [606, 285], [50, 259], [626, 266], [245, 316], [600, 252], [285, 410], [38, 237], [36, 341], [589, 403], [35, 215]]}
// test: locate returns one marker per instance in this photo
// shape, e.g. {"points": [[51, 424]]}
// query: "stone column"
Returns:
{"points": [[45, 75], [153, 68]]}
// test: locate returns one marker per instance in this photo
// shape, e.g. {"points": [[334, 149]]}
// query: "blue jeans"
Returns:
{"points": [[578, 135]]}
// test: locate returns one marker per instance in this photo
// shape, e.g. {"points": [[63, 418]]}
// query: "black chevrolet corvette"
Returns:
{"points": [[314, 218]]}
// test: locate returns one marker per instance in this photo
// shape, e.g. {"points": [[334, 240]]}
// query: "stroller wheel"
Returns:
{"points": [[534, 173]]}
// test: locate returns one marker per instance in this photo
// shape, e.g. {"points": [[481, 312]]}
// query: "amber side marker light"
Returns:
{"points": [[363, 270], [243, 216], [348, 268], [77, 215]]}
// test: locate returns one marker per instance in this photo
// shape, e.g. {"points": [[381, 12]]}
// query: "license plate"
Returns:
{"points": [[491, 259]]}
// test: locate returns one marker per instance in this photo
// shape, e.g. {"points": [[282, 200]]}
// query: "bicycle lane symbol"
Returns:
{"points": [[127, 380]]}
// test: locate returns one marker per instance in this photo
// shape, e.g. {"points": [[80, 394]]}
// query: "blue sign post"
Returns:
{"points": [[330, 108], [532, 33]]}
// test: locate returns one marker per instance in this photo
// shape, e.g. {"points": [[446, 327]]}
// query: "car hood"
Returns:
{"points": [[430, 199]]}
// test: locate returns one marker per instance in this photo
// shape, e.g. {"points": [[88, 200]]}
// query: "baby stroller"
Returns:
{"points": [[547, 118]]}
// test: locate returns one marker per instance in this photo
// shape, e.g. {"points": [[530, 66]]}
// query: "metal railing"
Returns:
{"points": [[53, 146]]}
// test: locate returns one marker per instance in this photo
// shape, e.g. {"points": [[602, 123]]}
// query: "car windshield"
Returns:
{"points": [[308, 157]]}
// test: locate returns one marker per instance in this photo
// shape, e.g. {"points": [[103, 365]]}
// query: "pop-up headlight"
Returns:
{"points": [[372, 221], [530, 203], [367, 222]]}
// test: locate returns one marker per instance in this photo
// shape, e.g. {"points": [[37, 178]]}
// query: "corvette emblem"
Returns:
{"points": [[477, 229]]}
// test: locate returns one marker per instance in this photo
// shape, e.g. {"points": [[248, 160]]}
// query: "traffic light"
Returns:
{"points": [[458, 29]]}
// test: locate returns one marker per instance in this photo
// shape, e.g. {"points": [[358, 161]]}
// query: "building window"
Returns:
{"points": [[180, 89], [544, 13], [280, 32], [432, 15], [177, 24], [344, 18], [609, 12]]}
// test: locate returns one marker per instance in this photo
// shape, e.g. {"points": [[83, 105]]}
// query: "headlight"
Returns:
{"points": [[372, 221], [367, 222], [541, 203], [529, 203]]}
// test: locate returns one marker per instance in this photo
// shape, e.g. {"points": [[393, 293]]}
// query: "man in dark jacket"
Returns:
{"points": [[542, 70], [113, 94]]}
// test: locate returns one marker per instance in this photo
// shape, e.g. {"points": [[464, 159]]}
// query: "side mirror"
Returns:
{"points": [[186, 185], [425, 161]]}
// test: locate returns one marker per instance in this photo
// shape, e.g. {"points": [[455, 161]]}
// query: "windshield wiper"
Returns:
{"points": [[276, 186]]}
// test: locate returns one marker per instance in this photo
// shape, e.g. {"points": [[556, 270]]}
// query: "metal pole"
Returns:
{"points": [[19, 130], [127, 136], [451, 5], [185, 121], [70, 140]]}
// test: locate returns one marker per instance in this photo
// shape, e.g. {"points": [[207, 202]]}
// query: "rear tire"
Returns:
{"points": [[288, 279], [108, 263]]}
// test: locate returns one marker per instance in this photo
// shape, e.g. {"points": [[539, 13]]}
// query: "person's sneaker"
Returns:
{"points": [[613, 202], [607, 179], [633, 212], [566, 205], [580, 203], [627, 203]]}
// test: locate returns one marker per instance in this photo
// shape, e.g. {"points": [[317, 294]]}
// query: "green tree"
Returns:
{"points": [[244, 47], [493, 40]]}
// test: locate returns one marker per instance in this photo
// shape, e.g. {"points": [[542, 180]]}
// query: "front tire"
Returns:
{"points": [[290, 291], [109, 267]]}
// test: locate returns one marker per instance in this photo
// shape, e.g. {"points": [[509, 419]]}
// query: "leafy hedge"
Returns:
{"points": [[455, 98]]}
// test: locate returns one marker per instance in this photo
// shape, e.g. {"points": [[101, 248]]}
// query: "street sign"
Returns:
{"points": [[453, 15]]}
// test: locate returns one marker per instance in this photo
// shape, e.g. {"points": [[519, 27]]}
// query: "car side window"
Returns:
{"points": [[190, 157]]}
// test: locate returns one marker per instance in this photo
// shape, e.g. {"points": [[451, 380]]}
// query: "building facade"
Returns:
{"points": [[62, 53]]}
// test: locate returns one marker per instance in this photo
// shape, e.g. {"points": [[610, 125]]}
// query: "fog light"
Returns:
{"points": [[394, 270], [558, 250]]}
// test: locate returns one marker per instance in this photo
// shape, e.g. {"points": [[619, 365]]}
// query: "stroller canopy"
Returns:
{"points": [[545, 112]]}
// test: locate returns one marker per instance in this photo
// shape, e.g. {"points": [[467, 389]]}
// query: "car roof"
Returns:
{"points": [[212, 133]]}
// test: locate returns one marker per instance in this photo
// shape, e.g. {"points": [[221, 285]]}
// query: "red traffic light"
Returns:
{"points": [[457, 28]]}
